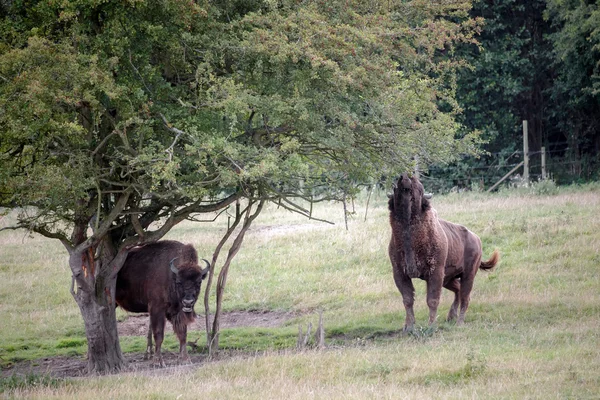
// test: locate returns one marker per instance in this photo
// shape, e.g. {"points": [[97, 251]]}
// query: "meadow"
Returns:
{"points": [[532, 330]]}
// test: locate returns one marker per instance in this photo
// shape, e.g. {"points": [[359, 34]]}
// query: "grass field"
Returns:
{"points": [[532, 330]]}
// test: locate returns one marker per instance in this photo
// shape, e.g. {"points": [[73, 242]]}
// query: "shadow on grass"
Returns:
{"points": [[370, 333]]}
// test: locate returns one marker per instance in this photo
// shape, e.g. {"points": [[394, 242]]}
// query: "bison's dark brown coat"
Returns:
{"points": [[427, 247], [162, 279]]}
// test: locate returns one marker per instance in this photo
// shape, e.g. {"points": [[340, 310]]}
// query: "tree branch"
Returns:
{"points": [[107, 222], [171, 128], [42, 231], [102, 143]]}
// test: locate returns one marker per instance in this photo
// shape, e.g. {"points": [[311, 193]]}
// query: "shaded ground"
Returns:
{"points": [[137, 325]]}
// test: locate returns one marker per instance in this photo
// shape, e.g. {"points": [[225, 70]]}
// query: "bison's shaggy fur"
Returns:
{"points": [[427, 247], [162, 279]]}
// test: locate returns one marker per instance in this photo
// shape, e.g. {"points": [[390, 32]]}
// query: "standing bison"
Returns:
{"points": [[162, 279], [427, 247]]}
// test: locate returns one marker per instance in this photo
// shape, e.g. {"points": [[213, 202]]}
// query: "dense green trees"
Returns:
{"points": [[575, 93], [537, 61], [120, 119]]}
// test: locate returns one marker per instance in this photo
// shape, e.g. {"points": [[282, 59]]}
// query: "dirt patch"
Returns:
{"points": [[137, 325]]}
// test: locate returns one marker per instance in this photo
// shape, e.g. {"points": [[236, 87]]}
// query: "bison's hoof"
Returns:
{"points": [[408, 329]]}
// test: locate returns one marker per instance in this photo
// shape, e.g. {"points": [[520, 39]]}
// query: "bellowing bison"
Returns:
{"points": [[162, 279], [427, 247]]}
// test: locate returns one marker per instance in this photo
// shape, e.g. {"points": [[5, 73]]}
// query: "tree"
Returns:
{"points": [[575, 93], [507, 82], [121, 119], [535, 61]]}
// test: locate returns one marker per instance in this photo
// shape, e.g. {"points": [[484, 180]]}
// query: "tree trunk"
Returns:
{"points": [[93, 288], [212, 334]]}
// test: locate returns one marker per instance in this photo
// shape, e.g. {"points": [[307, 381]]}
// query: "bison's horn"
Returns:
{"points": [[207, 264], [428, 196], [173, 267]]}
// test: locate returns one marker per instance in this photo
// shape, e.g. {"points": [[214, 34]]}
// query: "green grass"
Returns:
{"points": [[17, 382], [532, 330]]}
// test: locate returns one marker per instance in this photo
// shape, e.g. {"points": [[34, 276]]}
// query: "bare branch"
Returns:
{"points": [[307, 215], [192, 218], [139, 74], [302, 209], [233, 250], [102, 143], [171, 128], [137, 226], [209, 331], [107, 222], [42, 231], [176, 216]]}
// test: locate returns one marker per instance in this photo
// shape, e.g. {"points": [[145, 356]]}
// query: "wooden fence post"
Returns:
{"points": [[525, 153], [544, 163]]}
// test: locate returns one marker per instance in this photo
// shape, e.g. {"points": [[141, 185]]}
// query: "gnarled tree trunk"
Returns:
{"points": [[93, 288]]}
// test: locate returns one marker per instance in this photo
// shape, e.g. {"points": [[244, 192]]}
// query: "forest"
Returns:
{"points": [[537, 61]]}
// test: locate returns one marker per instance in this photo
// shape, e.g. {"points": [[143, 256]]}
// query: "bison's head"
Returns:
{"points": [[408, 199], [188, 278], [407, 202]]}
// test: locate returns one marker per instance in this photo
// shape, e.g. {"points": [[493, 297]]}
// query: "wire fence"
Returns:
{"points": [[562, 165]]}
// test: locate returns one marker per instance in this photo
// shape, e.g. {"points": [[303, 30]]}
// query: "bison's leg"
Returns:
{"points": [[434, 292], [454, 286], [157, 321], [465, 296], [406, 288], [149, 348], [182, 336]]}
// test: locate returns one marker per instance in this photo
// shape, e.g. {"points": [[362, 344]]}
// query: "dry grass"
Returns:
{"points": [[532, 330]]}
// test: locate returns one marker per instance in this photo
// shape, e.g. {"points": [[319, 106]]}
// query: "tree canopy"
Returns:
{"points": [[179, 103]]}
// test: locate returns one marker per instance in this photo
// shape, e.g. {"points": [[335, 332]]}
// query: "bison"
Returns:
{"points": [[427, 247], [162, 279]]}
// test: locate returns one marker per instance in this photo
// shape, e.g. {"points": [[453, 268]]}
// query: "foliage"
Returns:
{"points": [[101, 100], [536, 61], [576, 89]]}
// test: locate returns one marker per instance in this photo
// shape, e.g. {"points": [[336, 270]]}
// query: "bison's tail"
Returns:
{"points": [[491, 263]]}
